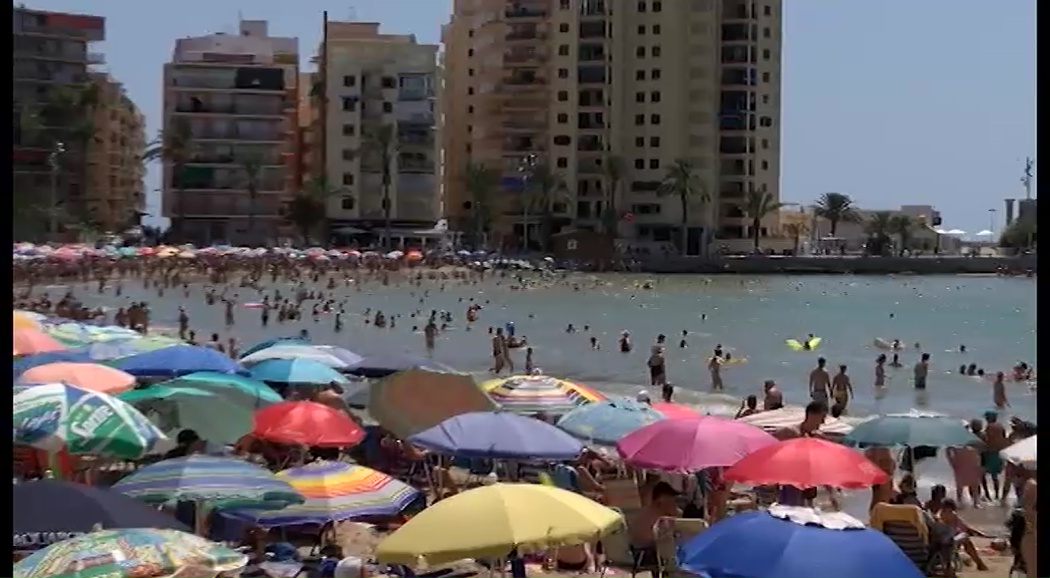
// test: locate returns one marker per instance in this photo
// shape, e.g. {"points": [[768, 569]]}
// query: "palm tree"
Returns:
{"points": [[252, 167], [545, 189], [614, 169], [682, 181], [381, 141], [902, 226], [174, 145], [879, 228], [796, 231], [481, 184], [759, 205], [836, 208], [309, 207]]}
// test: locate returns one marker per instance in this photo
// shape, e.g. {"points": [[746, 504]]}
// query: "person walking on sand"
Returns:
{"points": [[819, 382]]}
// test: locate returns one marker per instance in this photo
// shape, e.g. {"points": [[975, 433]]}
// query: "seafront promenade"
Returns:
{"points": [[825, 265]]}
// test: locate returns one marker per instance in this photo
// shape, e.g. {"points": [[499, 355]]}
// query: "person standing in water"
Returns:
{"points": [[880, 371], [714, 365], [819, 382], [498, 347], [841, 389], [922, 370], [999, 391], [430, 334]]}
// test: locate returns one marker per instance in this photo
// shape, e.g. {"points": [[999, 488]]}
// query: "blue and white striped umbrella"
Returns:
{"points": [[605, 422]]}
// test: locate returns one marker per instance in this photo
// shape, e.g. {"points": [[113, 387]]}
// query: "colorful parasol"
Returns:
{"points": [[58, 416], [334, 492], [532, 394], [126, 553], [89, 376], [28, 341], [23, 320]]}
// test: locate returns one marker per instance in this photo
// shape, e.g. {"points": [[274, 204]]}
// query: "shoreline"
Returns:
{"points": [[837, 265]]}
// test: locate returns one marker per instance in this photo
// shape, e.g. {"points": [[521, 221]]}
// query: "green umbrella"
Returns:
{"points": [[132, 552], [58, 416], [242, 389], [214, 417]]}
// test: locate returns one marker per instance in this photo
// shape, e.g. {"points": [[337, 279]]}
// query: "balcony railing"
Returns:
{"points": [[96, 58], [525, 13], [523, 125], [231, 109], [521, 57], [213, 134], [415, 166], [416, 139], [530, 35]]}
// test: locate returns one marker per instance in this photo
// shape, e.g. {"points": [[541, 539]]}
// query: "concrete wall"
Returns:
{"points": [[838, 265]]}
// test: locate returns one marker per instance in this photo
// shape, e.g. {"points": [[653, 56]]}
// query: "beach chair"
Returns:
{"points": [[671, 534], [623, 494], [906, 526]]}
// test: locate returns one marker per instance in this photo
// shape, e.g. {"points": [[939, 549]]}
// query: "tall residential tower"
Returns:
{"points": [[574, 83]]}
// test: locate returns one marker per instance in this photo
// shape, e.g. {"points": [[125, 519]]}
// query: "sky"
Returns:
{"points": [[889, 101]]}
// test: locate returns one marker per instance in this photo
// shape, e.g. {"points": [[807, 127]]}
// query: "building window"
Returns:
{"points": [[639, 119], [470, 90], [767, 10], [564, 4], [765, 99], [639, 97], [563, 73], [562, 140], [388, 82], [641, 6], [563, 118], [349, 130], [765, 121], [470, 109], [350, 103], [765, 143], [639, 164], [348, 179], [562, 162], [639, 141], [470, 72], [654, 119], [388, 107], [655, 52], [656, 28], [349, 154], [655, 74], [349, 80], [654, 96], [639, 75], [563, 96], [640, 52], [765, 165], [654, 164], [470, 52], [347, 203], [657, 6], [766, 33], [641, 29], [563, 28], [765, 77], [563, 50], [654, 141], [766, 54]]}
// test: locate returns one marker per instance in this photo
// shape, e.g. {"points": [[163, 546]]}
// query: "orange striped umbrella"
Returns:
{"points": [[23, 321], [29, 341]]}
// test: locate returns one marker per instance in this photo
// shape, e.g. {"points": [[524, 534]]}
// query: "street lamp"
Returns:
{"points": [[526, 166], [991, 219], [52, 159]]}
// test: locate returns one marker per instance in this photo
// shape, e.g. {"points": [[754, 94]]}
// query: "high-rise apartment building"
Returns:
{"points": [[51, 63], [115, 195], [374, 83], [237, 95], [574, 83]]}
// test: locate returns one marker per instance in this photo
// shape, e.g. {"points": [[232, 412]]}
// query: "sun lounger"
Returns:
{"points": [[907, 526]]}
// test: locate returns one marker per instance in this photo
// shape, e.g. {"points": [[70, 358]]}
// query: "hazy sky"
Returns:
{"points": [[891, 101]]}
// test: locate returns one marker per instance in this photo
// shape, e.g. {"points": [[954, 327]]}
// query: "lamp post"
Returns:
{"points": [[991, 219], [52, 159], [526, 166]]}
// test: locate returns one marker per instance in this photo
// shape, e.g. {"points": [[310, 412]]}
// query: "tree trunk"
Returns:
{"points": [[251, 216], [755, 230], [685, 225], [797, 240], [834, 226]]}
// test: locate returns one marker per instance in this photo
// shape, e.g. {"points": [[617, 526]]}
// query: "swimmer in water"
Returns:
{"points": [[806, 342]]}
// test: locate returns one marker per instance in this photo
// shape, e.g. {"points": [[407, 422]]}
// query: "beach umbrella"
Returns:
{"points": [[676, 410], [532, 394], [46, 511], [794, 542], [335, 491], [29, 341], [272, 342], [89, 376], [58, 416], [1022, 453], [307, 423], [302, 352], [23, 364], [173, 409], [806, 463], [348, 357], [23, 321], [130, 553], [409, 402], [691, 445], [243, 390], [177, 360], [911, 430], [378, 366], [492, 521], [605, 422], [775, 420], [221, 482], [296, 372], [126, 347], [498, 435]]}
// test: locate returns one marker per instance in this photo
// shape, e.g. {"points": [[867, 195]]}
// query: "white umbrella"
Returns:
{"points": [[1022, 453], [984, 233], [955, 232]]}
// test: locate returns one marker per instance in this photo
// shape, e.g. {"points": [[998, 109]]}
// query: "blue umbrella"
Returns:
{"points": [[347, 356], [297, 371], [271, 342], [177, 360], [605, 422], [24, 364], [911, 430], [498, 435], [115, 349], [760, 544], [47, 510], [377, 366]]}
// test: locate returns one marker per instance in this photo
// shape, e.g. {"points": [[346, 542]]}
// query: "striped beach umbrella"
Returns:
{"points": [[532, 394], [221, 482], [335, 492]]}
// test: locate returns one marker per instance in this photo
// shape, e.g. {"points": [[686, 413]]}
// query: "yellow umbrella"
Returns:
{"points": [[411, 401], [490, 521], [23, 321]]}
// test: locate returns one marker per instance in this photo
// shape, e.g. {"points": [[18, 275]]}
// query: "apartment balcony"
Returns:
{"points": [[88, 28], [226, 159], [237, 135], [732, 190], [225, 205], [589, 167], [589, 144], [416, 139], [231, 110], [736, 122], [739, 33], [741, 10], [524, 103], [415, 112], [525, 58], [96, 58], [523, 126], [525, 36], [525, 14], [411, 165], [739, 78]]}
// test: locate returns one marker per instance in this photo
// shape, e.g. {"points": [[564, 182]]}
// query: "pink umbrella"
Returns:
{"points": [[29, 340], [90, 376], [677, 410], [689, 445]]}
